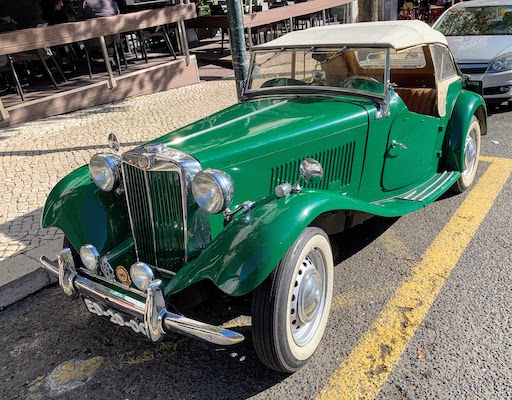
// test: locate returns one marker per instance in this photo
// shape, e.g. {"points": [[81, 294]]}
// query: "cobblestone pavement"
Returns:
{"points": [[36, 155]]}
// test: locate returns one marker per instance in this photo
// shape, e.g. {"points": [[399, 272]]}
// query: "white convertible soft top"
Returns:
{"points": [[394, 34]]}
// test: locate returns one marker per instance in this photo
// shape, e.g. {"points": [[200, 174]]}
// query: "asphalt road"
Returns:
{"points": [[51, 347]]}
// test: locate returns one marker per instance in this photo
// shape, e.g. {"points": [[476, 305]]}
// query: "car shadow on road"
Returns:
{"points": [[493, 109], [353, 240]]}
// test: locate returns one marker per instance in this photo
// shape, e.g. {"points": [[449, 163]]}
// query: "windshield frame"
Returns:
{"points": [[312, 90]]}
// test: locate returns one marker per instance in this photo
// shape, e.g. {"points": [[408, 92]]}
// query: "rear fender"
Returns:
{"points": [[85, 213], [467, 105], [250, 247]]}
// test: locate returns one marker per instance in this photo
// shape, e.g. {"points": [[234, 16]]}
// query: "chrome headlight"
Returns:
{"points": [[90, 257], [142, 275], [213, 190], [501, 63], [105, 170]]}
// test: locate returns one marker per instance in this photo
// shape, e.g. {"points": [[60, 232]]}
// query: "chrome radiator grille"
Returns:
{"points": [[156, 210]]}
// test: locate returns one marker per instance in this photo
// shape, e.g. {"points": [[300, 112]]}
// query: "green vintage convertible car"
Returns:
{"points": [[336, 124]]}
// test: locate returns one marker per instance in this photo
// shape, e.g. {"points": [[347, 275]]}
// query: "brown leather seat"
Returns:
{"points": [[418, 100]]}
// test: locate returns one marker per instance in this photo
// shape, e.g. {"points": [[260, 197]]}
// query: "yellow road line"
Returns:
{"points": [[394, 246], [368, 366], [491, 159]]}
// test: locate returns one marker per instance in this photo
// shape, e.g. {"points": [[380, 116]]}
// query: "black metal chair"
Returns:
{"points": [[92, 47], [7, 64]]}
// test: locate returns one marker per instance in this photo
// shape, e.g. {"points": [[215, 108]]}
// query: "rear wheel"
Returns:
{"points": [[291, 307], [471, 154]]}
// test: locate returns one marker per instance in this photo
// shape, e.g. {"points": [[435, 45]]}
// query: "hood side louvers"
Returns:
{"points": [[336, 163]]}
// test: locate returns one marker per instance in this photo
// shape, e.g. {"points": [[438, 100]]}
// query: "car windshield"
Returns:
{"points": [[349, 69], [473, 21]]}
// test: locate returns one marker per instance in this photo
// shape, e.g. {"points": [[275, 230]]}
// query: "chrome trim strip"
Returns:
{"points": [[111, 282], [151, 216], [448, 177], [130, 216], [433, 184], [153, 312], [164, 271]]}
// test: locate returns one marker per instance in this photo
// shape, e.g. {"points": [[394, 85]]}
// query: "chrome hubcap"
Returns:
{"points": [[470, 154], [308, 298]]}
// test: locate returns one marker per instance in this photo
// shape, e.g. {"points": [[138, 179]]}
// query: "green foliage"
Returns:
{"points": [[476, 21]]}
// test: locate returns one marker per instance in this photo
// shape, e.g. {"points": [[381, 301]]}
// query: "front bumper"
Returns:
{"points": [[492, 84], [157, 320]]}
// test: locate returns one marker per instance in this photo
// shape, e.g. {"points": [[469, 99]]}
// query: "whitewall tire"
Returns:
{"points": [[471, 154], [291, 307]]}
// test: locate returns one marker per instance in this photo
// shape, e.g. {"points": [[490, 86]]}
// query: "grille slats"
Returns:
{"points": [[168, 211], [336, 163], [157, 217], [473, 68]]}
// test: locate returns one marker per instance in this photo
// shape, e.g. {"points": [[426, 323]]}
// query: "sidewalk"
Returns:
{"points": [[36, 155]]}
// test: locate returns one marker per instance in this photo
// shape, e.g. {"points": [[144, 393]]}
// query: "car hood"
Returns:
{"points": [[258, 128], [478, 48]]}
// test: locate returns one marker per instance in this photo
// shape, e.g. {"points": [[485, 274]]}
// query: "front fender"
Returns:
{"points": [[251, 246], [85, 213], [466, 105]]}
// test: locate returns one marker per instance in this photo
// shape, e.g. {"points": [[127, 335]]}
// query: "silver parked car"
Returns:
{"points": [[479, 34]]}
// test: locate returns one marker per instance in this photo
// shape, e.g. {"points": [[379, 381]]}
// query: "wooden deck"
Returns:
{"points": [[81, 91]]}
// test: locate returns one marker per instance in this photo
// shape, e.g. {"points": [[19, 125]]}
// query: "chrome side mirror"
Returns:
{"points": [[311, 171], [113, 143]]}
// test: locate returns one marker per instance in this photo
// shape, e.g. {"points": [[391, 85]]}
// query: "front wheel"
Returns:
{"points": [[471, 154], [291, 307]]}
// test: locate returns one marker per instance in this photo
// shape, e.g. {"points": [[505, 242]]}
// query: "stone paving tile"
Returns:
{"points": [[36, 155]]}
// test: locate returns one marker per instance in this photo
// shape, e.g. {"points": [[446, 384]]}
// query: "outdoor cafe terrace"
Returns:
{"points": [[53, 69]]}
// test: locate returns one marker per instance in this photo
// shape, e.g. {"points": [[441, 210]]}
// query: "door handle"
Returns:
{"points": [[395, 144]]}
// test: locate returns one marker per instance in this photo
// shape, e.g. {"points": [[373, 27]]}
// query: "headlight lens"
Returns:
{"points": [[142, 275], [90, 257], [105, 171], [213, 190], [501, 63]]}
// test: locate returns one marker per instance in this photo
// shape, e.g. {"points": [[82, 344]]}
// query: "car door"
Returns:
{"points": [[411, 154]]}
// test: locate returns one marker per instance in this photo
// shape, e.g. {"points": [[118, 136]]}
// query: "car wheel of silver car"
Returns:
{"points": [[471, 154], [291, 307]]}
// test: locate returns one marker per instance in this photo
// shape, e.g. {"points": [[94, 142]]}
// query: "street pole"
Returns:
{"points": [[237, 43]]}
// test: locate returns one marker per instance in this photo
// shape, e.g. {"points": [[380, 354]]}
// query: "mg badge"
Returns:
{"points": [[144, 162], [123, 275], [106, 269]]}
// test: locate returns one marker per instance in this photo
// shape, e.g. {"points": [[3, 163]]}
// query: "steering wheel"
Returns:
{"points": [[363, 77], [362, 82], [282, 82]]}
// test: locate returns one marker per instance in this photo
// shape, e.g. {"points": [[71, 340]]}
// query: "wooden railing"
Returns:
{"points": [[269, 16], [69, 32]]}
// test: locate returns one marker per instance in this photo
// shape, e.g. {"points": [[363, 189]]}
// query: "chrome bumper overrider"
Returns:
{"points": [[157, 320]]}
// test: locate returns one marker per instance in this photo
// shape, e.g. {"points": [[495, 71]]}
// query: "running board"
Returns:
{"points": [[423, 194], [431, 189]]}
